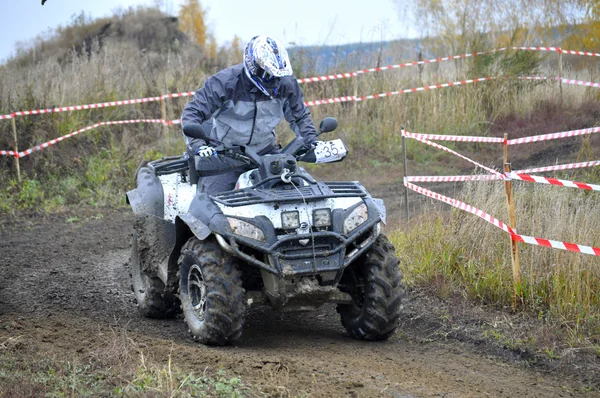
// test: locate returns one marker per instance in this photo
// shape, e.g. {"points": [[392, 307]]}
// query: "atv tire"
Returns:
{"points": [[150, 295], [211, 293], [377, 291]]}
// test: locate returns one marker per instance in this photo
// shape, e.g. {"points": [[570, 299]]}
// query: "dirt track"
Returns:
{"points": [[65, 291]]}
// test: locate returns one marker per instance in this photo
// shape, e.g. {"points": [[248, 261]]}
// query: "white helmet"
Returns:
{"points": [[265, 63]]}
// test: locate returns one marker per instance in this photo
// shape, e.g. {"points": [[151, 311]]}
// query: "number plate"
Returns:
{"points": [[330, 151]]}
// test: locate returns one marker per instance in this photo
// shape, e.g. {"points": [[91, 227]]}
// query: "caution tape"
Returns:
{"points": [[573, 247], [579, 82], [443, 148], [460, 205], [424, 62], [328, 77], [93, 126], [476, 177], [552, 181], [553, 136], [560, 167], [457, 138], [586, 53], [595, 251]]}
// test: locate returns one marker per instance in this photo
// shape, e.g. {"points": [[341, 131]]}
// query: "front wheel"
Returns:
{"points": [[375, 283], [151, 297], [211, 293]]}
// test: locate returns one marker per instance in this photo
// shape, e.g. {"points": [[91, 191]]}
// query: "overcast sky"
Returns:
{"points": [[314, 22]]}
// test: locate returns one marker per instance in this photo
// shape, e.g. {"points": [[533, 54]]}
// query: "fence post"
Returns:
{"points": [[16, 148], [560, 75], [355, 95], [512, 219], [421, 67], [163, 116], [405, 174]]}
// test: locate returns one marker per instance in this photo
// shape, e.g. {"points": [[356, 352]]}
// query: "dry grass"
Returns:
{"points": [[458, 253]]}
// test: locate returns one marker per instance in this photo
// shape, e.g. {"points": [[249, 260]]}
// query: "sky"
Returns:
{"points": [[314, 22]]}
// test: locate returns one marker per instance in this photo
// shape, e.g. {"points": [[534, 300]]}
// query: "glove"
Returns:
{"points": [[310, 140], [205, 151]]}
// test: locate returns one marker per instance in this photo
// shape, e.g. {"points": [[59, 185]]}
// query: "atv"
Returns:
{"points": [[280, 238]]}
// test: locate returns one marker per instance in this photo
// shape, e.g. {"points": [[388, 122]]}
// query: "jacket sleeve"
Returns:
{"points": [[207, 100], [297, 114]]}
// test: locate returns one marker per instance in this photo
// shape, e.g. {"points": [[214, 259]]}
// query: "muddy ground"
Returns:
{"points": [[65, 293]]}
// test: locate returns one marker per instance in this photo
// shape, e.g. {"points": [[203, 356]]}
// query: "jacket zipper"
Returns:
{"points": [[253, 122]]}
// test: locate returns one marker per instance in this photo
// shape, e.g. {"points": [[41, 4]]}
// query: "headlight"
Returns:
{"points": [[290, 220], [322, 217], [243, 228], [357, 217]]}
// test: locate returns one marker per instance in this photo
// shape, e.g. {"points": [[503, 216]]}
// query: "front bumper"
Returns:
{"points": [[325, 251]]}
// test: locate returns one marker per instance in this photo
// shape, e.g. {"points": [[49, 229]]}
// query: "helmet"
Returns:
{"points": [[265, 63]]}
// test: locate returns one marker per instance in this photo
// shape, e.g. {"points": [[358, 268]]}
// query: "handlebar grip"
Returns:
{"points": [[196, 130]]}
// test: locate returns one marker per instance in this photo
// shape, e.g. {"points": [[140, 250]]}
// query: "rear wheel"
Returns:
{"points": [[375, 283], [211, 293], [150, 295]]}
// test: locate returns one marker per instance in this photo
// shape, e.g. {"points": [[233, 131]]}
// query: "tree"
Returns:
{"points": [[192, 22]]}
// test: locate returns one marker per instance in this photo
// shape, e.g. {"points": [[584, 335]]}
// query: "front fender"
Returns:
{"points": [[196, 226]]}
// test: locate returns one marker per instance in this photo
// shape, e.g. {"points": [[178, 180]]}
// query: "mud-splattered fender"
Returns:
{"points": [[196, 226], [148, 197]]}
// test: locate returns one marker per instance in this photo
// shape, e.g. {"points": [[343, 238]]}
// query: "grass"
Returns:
{"points": [[118, 367], [455, 253]]}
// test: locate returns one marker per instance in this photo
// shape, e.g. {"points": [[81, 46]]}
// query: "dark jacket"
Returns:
{"points": [[242, 114]]}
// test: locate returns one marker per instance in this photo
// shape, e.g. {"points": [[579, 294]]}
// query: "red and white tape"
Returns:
{"points": [[553, 181], [560, 167], [476, 177], [595, 251], [89, 106], [460, 205], [553, 136], [586, 53], [457, 138], [93, 126], [573, 247], [443, 148], [579, 83], [424, 62], [391, 93], [177, 95]]}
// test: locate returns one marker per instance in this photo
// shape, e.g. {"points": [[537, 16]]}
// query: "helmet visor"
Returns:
{"points": [[263, 75]]}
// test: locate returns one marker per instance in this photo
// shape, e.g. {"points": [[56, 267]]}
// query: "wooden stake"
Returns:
{"points": [[405, 174], [163, 115], [560, 74], [512, 221], [355, 95], [16, 148]]}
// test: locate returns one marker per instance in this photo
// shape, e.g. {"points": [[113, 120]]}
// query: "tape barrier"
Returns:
{"points": [[325, 78], [579, 82], [93, 126], [428, 61], [457, 138], [459, 205], [444, 85], [553, 181], [595, 251], [560, 167], [553, 136], [476, 177], [443, 148]]}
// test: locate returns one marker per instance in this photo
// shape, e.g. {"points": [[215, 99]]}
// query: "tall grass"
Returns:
{"points": [[458, 253]]}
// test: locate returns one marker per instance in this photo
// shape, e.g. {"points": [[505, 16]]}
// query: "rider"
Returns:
{"points": [[242, 105]]}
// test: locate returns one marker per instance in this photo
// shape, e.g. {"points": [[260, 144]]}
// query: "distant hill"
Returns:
{"points": [[354, 56]]}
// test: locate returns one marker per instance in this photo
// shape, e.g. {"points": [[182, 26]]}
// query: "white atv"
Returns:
{"points": [[280, 238]]}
